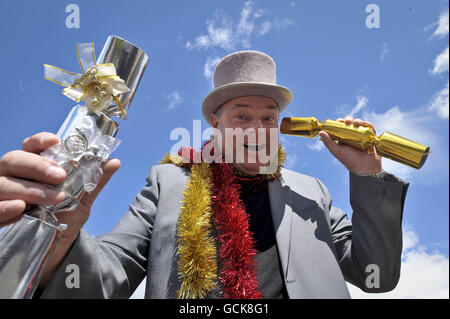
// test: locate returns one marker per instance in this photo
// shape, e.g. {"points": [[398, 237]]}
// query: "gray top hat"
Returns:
{"points": [[245, 73]]}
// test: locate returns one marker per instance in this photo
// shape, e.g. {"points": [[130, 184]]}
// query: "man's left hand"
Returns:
{"points": [[356, 161]]}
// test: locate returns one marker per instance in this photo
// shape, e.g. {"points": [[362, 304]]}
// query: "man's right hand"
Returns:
{"points": [[26, 178]]}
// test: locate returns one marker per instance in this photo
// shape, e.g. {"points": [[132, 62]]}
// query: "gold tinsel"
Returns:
{"points": [[197, 263], [281, 159], [173, 159]]}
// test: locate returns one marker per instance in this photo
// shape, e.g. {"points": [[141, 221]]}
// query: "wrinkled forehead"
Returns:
{"points": [[251, 102]]}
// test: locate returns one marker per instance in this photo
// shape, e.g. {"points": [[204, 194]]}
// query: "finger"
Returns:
{"points": [[31, 166], [28, 191], [329, 143], [340, 120], [109, 168], [348, 119], [368, 124], [11, 209], [357, 122], [39, 142]]}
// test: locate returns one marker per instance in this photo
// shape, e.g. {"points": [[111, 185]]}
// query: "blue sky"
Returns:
{"points": [[395, 76]]}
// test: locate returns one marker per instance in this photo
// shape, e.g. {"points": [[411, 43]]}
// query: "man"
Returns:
{"points": [[223, 230]]}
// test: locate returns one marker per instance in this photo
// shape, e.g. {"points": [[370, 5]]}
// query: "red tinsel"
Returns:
{"points": [[238, 272]]}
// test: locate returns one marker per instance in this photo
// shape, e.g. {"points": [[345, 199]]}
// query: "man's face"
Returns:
{"points": [[243, 117]]}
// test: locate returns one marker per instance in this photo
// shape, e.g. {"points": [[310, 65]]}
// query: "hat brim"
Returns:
{"points": [[280, 94]]}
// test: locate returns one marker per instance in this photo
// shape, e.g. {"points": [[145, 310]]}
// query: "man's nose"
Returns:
{"points": [[257, 131], [257, 123]]}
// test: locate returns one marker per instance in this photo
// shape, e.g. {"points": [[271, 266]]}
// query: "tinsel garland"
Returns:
{"points": [[197, 264], [215, 189], [238, 274]]}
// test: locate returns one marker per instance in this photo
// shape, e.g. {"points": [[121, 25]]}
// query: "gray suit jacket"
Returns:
{"points": [[319, 247]]}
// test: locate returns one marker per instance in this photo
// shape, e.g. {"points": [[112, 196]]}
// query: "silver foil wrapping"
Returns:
{"points": [[87, 140]]}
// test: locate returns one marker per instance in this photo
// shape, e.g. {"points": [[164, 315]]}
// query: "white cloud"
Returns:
{"points": [[384, 51], [284, 23], [420, 126], [404, 124], [440, 63], [424, 273], [440, 102], [394, 119], [361, 103], [410, 239], [174, 98], [265, 27], [317, 145], [245, 26], [208, 69], [225, 33], [220, 34], [291, 161], [260, 12], [442, 25]]}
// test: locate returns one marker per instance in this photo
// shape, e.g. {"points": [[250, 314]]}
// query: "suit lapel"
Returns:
{"points": [[280, 205]]}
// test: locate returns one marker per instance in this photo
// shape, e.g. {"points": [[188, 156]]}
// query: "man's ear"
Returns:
{"points": [[214, 120]]}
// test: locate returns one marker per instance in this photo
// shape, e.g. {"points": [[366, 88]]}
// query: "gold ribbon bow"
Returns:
{"points": [[97, 86]]}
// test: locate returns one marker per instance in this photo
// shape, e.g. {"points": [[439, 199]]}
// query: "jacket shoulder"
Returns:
{"points": [[307, 186], [169, 168], [290, 175], [168, 173]]}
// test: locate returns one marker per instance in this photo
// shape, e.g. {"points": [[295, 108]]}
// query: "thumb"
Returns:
{"points": [[109, 168], [329, 143]]}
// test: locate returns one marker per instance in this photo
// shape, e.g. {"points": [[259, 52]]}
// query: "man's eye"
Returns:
{"points": [[241, 117], [270, 118]]}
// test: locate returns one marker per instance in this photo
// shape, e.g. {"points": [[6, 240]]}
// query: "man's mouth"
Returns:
{"points": [[254, 147]]}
